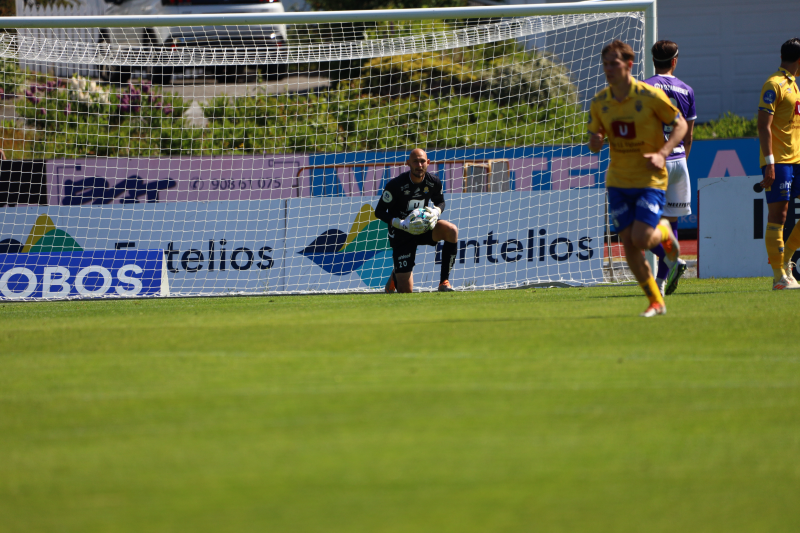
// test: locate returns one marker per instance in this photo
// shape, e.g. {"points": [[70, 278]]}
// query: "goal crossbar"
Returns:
{"points": [[589, 7]]}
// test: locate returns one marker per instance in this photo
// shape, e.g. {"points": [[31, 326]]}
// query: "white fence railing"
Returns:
{"points": [[88, 35]]}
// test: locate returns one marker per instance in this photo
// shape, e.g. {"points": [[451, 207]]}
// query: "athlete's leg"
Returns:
{"points": [[790, 247], [633, 254], [405, 281], [773, 237], [404, 252], [635, 214], [644, 236], [447, 232], [638, 264], [793, 242], [777, 206]]}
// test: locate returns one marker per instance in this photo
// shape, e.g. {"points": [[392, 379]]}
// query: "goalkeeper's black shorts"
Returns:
{"points": [[404, 248]]}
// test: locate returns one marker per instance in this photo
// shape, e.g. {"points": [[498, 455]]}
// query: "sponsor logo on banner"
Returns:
{"points": [[81, 274], [104, 181], [44, 236], [209, 247], [364, 249], [495, 248]]}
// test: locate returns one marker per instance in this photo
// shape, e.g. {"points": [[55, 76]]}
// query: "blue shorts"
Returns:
{"points": [[627, 205], [786, 185]]}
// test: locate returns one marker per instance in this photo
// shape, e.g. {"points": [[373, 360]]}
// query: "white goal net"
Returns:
{"points": [[211, 159]]}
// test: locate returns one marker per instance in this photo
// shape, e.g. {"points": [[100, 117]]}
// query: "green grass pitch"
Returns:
{"points": [[505, 411]]}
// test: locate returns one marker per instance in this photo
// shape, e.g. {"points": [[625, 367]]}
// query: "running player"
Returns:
{"points": [[632, 115], [779, 137], [402, 195], [679, 191]]}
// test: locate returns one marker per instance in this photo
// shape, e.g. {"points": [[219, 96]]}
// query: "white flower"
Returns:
{"points": [[82, 96]]}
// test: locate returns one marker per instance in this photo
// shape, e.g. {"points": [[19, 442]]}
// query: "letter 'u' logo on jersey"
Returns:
{"points": [[624, 130], [797, 108]]}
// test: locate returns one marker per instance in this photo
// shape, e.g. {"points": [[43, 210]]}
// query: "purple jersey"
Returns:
{"points": [[682, 97]]}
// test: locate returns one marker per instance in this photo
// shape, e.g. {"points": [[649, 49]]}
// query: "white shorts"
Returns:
{"points": [[679, 189]]}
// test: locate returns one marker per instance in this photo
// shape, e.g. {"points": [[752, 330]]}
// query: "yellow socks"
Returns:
{"points": [[773, 238], [650, 289], [665, 232], [792, 243]]}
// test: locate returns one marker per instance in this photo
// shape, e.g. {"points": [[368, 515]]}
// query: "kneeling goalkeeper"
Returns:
{"points": [[408, 192]]}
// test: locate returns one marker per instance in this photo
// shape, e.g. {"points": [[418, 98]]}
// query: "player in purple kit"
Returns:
{"points": [[679, 193]]}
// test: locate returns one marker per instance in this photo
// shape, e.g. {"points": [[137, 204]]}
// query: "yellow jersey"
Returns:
{"points": [[634, 127], [780, 98]]}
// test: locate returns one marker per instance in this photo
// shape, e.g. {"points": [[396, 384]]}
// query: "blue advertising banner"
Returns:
{"points": [[534, 168], [84, 274], [530, 168]]}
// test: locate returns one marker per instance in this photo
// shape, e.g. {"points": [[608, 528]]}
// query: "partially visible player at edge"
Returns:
{"points": [[679, 190], [632, 115], [779, 137], [405, 193]]}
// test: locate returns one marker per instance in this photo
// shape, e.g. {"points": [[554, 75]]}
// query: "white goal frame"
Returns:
{"points": [[649, 7], [489, 167]]}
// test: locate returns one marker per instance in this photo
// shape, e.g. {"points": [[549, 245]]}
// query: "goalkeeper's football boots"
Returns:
{"points": [[445, 286], [654, 309], [675, 273], [785, 283]]}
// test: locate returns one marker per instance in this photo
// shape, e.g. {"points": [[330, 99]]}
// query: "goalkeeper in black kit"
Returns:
{"points": [[404, 207]]}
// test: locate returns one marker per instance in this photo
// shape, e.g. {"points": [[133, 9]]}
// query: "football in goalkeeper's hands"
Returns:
{"points": [[421, 214]]}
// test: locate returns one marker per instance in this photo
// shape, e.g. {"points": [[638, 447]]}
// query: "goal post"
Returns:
{"points": [[252, 149]]}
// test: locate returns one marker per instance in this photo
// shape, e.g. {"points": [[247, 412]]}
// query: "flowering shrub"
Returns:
{"points": [[86, 91], [77, 117]]}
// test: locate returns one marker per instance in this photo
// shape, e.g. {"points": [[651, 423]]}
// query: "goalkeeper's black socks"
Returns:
{"points": [[448, 260]]}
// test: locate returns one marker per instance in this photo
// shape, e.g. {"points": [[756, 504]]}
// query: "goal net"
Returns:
{"points": [[252, 156]]}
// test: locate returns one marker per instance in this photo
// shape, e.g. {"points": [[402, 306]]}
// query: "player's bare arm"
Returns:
{"points": [[687, 140], [596, 141], [765, 139], [659, 159]]}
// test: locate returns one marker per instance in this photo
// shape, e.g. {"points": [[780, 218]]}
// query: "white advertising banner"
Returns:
{"points": [[505, 240], [731, 229], [210, 247]]}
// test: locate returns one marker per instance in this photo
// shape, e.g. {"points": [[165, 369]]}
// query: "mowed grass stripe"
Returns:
{"points": [[549, 410]]}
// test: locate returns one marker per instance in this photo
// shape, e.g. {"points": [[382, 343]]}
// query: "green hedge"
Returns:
{"points": [[494, 95], [728, 126]]}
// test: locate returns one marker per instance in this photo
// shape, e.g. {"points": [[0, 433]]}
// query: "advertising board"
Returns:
{"points": [[105, 180], [93, 274], [731, 234], [221, 247], [505, 240]]}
